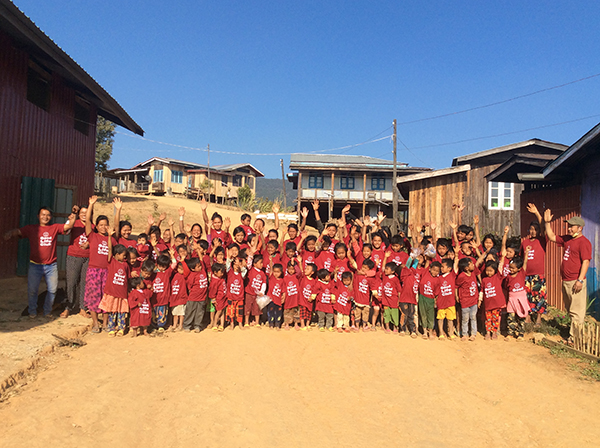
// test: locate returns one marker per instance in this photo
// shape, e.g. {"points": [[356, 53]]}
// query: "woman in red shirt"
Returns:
{"points": [[78, 257], [535, 280]]}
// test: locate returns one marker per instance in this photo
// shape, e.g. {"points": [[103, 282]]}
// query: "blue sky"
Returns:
{"points": [[283, 77]]}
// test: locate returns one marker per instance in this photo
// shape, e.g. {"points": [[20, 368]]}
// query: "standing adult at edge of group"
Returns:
{"points": [[576, 261], [42, 257]]}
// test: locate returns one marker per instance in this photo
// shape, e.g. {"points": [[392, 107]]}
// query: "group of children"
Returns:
{"points": [[354, 275]]}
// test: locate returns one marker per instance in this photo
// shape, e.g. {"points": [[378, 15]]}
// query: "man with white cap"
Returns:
{"points": [[576, 261]]}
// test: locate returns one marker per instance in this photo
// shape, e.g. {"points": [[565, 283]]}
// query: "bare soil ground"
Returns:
{"points": [[267, 388]]}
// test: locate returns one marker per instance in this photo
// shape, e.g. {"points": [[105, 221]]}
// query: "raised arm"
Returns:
{"points": [[275, 210], [181, 218], [304, 214], [505, 237], [88, 215], [547, 220], [454, 226], [434, 237], [111, 232], [116, 226], [525, 257], [477, 234], [203, 207], [531, 208], [315, 206], [151, 222]]}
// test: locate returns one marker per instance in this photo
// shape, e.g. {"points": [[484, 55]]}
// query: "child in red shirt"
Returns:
{"points": [[179, 297], [162, 291], [235, 294], [428, 284], [408, 299], [324, 296], [139, 305], [518, 305], [114, 299], [217, 292], [197, 283], [363, 284], [446, 298], [305, 303], [467, 293], [390, 296], [493, 298], [343, 301], [277, 295], [256, 284], [292, 292]]}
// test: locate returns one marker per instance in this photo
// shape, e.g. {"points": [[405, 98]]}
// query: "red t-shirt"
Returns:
{"points": [[343, 299], [468, 291], [116, 280], [197, 283], [295, 240], [162, 287], [140, 308], [99, 250], [255, 280], [179, 294], [363, 285], [390, 290], [536, 256], [410, 286], [325, 260], [323, 293], [400, 258], [445, 291], [267, 260], [42, 241], [505, 269], [331, 248], [308, 258], [235, 286], [428, 285], [292, 291], [342, 266], [493, 295], [306, 287], [217, 289], [515, 284], [377, 256], [78, 238], [576, 251], [225, 237], [248, 230], [127, 243], [276, 289]]}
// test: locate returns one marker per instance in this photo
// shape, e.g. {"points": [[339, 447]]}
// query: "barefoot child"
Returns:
{"points": [[114, 299], [235, 294], [217, 291], [179, 297], [493, 299], [139, 304]]}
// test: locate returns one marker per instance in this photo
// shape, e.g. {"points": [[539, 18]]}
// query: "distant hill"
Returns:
{"points": [[272, 189]]}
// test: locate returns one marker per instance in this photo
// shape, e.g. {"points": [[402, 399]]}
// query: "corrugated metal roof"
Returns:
{"points": [[237, 166], [346, 162], [170, 161], [21, 28], [436, 173], [590, 142], [490, 152]]}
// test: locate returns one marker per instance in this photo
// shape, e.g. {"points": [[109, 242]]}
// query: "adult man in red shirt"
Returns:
{"points": [[576, 261], [42, 258]]}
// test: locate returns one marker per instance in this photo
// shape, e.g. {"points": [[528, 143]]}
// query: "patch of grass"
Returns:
{"points": [[584, 366]]}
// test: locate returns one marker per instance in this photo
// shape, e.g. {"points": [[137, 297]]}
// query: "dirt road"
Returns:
{"points": [[265, 388]]}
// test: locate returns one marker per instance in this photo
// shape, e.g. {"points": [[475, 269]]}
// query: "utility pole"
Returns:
{"points": [[395, 188], [283, 183]]}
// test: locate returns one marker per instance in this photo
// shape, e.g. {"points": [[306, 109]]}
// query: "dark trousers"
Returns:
{"points": [[76, 272], [194, 313], [408, 309], [325, 319], [274, 314]]}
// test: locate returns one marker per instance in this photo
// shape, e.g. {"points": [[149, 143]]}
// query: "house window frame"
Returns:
{"points": [[237, 180], [315, 181], [176, 177], [378, 183], [224, 180], [501, 187], [347, 182], [156, 177]]}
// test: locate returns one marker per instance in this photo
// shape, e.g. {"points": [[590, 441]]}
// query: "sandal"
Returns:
{"points": [[96, 330]]}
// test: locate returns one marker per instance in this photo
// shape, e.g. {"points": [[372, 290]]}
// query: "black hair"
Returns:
{"points": [[196, 224], [274, 231], [293, 225], [492, 264], [218, 250], [273, 243], [444, 243], [314, 267], [245, 216], [340, 246], [346, 275], [309, 238], [239, 229], [155, 230], [369, 263], [259, 219], [463, 229], [536, 226], [518, 262], [374, 234], [292, 263], [331, 224], [242, 254], [218, 267], [123, 224], [436, 264], [215, 216], [232, 245], [391, 265], [143, 235], [322, 274], [514, 243], [203, 244], [489, 236], [98, 219], [181, 236], [368, 246], [463, 263], [133, 250], [193, 262], [250, 238], [290, 245], [397, 239], [326, 240], [163, 261], [448, 262], [148, 265], [278, 266], [181, 246], [134, 282], [257, 258], [43, 207], [119, 249]]}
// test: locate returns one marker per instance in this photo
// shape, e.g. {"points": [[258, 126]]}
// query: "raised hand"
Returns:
{"points": [[548, 215], [151, 220], [531, 208], [453, 225], [188, 229], [227, 222], [346, 209], [433, 226], [528, 249], [117, 203], [111, 231], [304, 212], [380, 216], [93, 200], [476, 219], [153, 240], [275, 207], [181, 211], [461, 207], [203, 203], [171, 223], [162, 216], [304, 234], [315, 205], [506, 230]]}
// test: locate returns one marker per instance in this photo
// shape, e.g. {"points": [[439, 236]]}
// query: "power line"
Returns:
{"points": [[500, 102]]}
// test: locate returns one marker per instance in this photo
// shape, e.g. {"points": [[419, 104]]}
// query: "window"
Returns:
{"points": [[81, 116], [38, 86], [237, 180], [378, 183], [501, 196], [315, 181], [347, 183], [250, 182], [224, 181], [158, 175], [177, 177]]}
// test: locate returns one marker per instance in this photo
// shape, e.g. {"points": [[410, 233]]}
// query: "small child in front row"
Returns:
{"points": [[390, 296], [467, 293], [305, 304], [518, 305], [114, 299], [217, 293], [197, 283], [276, 293], [446, 298], [139, 305], [343, 301], [179, 297], [493, 299], [323, 294], [292, 290]]}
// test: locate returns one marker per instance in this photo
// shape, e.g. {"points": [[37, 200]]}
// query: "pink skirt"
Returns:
{"points": [[518, 303], [110, 304]]}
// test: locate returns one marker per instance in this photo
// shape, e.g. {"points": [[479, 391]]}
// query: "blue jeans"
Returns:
{"points": [[469, 315], [34, 278]]}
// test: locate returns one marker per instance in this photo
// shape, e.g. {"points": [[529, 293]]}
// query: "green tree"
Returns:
{"points": [[245, 198], [105, 133]]}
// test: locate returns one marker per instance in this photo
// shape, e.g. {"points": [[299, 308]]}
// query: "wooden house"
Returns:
{"points": [[569, 185], [431, 195], [364, 182], [48, 111]]}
